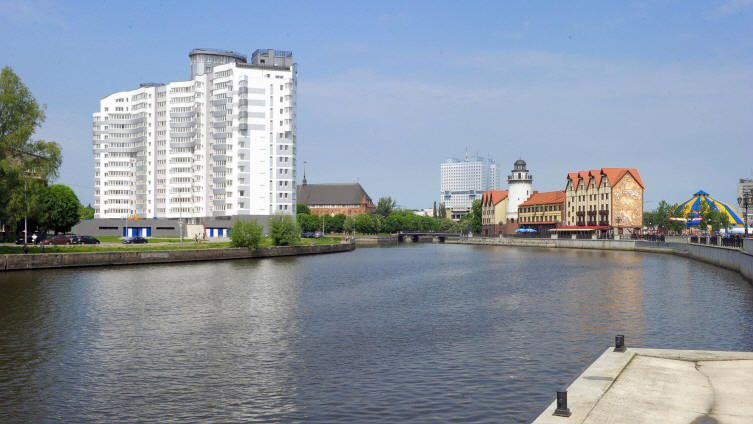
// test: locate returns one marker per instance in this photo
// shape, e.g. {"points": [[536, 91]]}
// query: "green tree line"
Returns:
{"points": [[29, 165], [387, 219]]}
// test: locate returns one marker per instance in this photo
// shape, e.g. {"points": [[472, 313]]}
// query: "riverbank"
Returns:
{"points": [[660, 385], [13, 262], [740, 260]]}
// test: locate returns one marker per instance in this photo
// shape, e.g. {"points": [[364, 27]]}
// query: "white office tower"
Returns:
{"points": [[520, 188], [467, 180], [220, 144]]}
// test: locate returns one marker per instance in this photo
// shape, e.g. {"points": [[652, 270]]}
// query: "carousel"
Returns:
{"points": [[690, 211]]}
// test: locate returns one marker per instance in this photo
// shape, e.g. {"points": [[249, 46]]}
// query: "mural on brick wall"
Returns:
{"points": [[627, 197]]}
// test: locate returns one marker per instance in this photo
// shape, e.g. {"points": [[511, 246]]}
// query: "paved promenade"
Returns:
{"points": [[661, 386]]}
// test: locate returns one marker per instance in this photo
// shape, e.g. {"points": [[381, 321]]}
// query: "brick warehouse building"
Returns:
{"points": [[333, 199]]}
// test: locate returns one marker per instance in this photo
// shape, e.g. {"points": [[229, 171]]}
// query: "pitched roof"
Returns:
{"points": [[493, 197], [331, 194], [545, 198], [616, 174], [613, 174]]}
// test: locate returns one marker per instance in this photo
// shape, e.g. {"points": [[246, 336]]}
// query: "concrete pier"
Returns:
{"points": [[661, 386]]}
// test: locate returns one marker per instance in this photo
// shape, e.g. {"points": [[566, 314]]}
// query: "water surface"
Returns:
{"points": [[423, 333]]}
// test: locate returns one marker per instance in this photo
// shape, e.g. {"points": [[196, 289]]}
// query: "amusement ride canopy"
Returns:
{"points": [[691, 209]]}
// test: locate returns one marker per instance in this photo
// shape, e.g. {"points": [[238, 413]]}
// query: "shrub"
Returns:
{"points": [[245, 234], [283, 230]]}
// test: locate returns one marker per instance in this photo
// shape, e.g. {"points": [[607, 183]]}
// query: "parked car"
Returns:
{"points": [[135, 240], [60, 239], [74, 238], [307, 235], [87, 240], [30, 239]]}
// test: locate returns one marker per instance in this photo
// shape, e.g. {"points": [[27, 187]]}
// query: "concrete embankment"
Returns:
{"points": [[740, 260], [375, 240], [65, 260], [659, 386]]}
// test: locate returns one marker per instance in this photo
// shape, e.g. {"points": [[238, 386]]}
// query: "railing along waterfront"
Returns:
{"points": [[730, 241]]}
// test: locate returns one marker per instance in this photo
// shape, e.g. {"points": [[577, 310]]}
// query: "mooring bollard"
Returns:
{"points": [[619, 343], [562, 409]]}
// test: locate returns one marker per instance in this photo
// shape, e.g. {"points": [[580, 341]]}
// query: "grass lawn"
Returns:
{"points": [[266, 242]]}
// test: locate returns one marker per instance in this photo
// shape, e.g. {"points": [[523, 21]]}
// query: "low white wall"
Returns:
{"points": [[727, 257], [739, 260]]}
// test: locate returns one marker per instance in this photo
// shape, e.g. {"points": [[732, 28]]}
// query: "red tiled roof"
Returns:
{"points": [[493, 197], [613, 174], [545, 198], [616, 174]]}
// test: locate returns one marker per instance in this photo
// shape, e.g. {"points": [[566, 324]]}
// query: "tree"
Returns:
{"points": [[446, 225], [349, 224], [476, 216], [245, 233], [716, 219], [301, 208], [385, 206], [338, 223], [283, 230], [59, 208], [442, 212], [26, 165], [368, 223], [86, 212], [434, 210], [308, 223]]}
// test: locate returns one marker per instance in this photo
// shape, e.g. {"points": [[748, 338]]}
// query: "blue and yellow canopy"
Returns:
{"points": [[691, 209]]}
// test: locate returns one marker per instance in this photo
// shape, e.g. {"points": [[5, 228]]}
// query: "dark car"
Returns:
{"points": [[30, 239], [59, 239], [87, 240], [308, 235], [135, 240]]}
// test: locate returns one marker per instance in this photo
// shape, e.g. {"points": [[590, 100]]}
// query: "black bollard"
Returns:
{"points": [[562, 409], [619, 343]]}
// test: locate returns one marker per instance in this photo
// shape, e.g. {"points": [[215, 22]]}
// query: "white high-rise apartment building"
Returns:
{"points": [[464, 181], [222, 143]]}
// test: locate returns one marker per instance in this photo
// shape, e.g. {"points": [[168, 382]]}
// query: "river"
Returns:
{"points": [[417, 333]]}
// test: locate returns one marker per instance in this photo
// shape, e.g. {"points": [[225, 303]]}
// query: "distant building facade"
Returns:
{"points": [[542, 211], [745, 188], [605, 200], [463, 181], [520, 187], [493, 212], [333, 199]]}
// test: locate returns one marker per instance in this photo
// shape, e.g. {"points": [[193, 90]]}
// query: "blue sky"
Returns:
{"points": [[387, 90]]}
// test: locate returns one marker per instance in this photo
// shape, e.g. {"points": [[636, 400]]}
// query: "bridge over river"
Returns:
{"points": [[418, 235]]}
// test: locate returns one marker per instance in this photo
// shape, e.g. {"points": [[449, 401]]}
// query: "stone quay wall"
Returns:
{"points": [[740, 260], [106, 258]]}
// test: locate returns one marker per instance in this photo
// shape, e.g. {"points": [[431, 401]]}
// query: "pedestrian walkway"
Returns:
{"points": [[661, 386]]}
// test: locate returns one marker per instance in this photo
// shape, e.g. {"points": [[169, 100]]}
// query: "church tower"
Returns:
{"points": [[520, 186]]}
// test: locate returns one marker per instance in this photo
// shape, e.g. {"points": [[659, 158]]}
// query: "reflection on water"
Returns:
{"points": [[422, 333]]}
